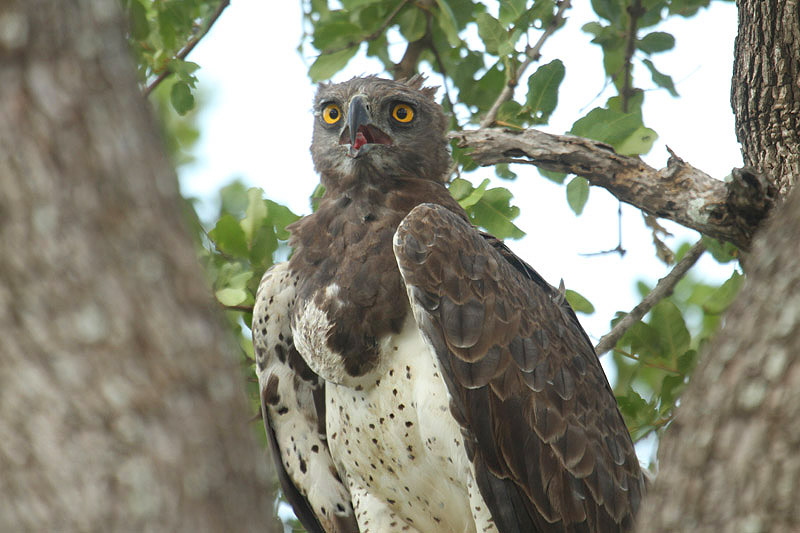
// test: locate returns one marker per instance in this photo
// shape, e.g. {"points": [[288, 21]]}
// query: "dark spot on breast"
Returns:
{"points": [[270, 394], [283, 410], [409, 423], [315, 448], [303, 466], [280, 351]]}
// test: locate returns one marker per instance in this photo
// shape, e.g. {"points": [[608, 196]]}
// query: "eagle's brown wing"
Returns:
{"points": [[293, 407], [541, 425]]}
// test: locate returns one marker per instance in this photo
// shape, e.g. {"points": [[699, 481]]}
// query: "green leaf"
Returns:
{"points": [[181, 97], [447, 21], [606, 125], [475, 195], [495, 213], [511, 10], [413, 23], [352, 4], [140, 26], [724, 295], [494, 35], [687, 361], [184, 70], [167, 24], [281, 216], [723, 252], [632, 404], [557, 177], [335, 33], [671, 386], [460, 188], [234, 199], [673, 337], [579, 303], [229, 237], [254, 215], [639, 142], [657, 41], [610, 10], [229, 296], [623, 131], [660, 79], [577, 194], [326, 65], [503, 171], [642, 339], [543, 90]]}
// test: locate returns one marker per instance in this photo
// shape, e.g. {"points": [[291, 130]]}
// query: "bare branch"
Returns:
{"points": [[189, 47], [635, 11], [532, 54], [662, 289], [728, 211]]}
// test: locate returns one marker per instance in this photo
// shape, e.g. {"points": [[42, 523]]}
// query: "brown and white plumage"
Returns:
{"points": [[415, 374]]}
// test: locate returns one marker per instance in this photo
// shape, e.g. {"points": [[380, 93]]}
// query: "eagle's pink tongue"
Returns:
{"points": [[360, 141]]}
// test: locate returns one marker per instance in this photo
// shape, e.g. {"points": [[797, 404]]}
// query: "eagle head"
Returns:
{"points": [[375, 127]]}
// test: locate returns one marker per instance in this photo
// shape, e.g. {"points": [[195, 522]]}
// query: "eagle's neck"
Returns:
{"points": [[344, 260]]}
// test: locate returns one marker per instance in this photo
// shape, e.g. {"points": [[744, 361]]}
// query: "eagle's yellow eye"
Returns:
{"points": [[331, 114], [403, 113]]}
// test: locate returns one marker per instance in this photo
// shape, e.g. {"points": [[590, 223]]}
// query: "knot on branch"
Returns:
{"points": [[750, 196]]}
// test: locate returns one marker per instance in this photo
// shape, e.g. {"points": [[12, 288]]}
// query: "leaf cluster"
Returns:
{"points": [[655, 357]]}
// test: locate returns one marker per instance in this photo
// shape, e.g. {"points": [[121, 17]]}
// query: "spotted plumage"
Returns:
{"points": [[415, 374]]}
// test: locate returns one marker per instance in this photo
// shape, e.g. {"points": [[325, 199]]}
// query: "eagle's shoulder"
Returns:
{"points": [[293, 408]]}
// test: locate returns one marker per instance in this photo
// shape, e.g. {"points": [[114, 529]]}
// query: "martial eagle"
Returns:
{"points": [[415, 374]]}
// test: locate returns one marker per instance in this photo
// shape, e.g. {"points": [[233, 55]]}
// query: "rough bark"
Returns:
{"points": [[765, 92], [729, 461], [121, 403], [729, 211]]}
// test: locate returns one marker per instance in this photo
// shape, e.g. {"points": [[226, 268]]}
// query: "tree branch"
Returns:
{"points": [[662, 289], [188, 48], [729, 211], [634, 12], [532, 53]]}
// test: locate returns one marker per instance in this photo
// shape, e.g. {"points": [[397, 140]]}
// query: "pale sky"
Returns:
{"points": [[257, 126]]}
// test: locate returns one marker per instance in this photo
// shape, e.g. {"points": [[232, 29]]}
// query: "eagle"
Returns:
{"points": [[415, 375]]}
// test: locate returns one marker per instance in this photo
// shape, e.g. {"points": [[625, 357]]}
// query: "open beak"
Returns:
{"points": [[360, 131]]}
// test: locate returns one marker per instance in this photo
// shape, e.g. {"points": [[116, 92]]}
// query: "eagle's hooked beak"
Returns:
{"points": [[357, 116], [362, 131]]}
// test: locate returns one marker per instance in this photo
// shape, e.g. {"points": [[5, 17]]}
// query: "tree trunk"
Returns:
{"points": [[765, 93], [730, 461], [121, 403]]}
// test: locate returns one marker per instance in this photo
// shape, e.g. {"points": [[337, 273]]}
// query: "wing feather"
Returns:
{"points": [[293, 408], [541, 425]]}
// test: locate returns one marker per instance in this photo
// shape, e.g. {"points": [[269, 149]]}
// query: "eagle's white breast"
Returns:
{"points": [[399, 449]]}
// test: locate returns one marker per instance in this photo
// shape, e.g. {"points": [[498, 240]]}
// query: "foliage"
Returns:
{"points": [[478, 49]]}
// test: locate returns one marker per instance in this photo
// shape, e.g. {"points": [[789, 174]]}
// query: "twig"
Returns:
{"points": [[634, 12], [648, 363], [532, 54], [243, 308], [189, 47], [372, 36], [440, 64], [662, 289], [618, 249]]}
